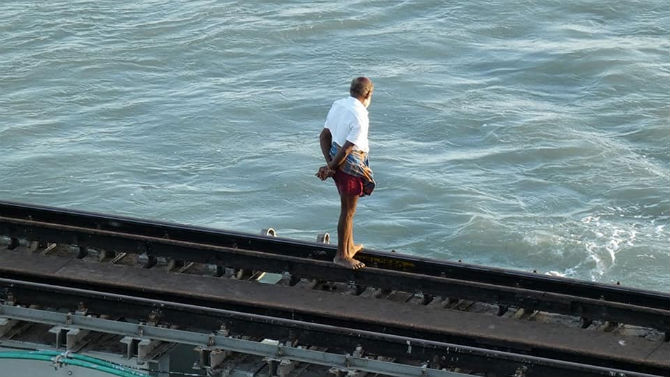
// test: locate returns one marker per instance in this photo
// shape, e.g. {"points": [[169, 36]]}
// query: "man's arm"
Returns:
{"points": [[341, 155], [326, 139]]}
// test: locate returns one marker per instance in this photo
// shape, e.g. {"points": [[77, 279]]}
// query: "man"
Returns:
{"points": [[344, 144]]}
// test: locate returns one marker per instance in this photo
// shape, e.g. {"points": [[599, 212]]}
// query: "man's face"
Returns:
{"points": [[367, 101]]}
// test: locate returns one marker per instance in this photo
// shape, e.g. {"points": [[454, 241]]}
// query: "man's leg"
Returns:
{"points": [[345, 233], [353, 248]]}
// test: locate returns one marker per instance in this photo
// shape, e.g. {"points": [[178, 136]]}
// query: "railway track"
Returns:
{"points": [[87, 248]]}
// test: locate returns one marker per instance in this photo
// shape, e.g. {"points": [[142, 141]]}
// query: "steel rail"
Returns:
{"points": [[310, 268], [234, 323], [302, 249]]}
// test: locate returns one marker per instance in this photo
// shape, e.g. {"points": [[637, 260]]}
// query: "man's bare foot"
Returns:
{"points": [[348, 263]]}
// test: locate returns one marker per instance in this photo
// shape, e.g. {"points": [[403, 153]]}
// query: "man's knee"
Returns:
{"points": [[350, 208], [348, 212]]}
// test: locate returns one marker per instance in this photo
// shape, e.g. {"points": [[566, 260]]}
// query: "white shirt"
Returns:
{"points": [[348, 120]]}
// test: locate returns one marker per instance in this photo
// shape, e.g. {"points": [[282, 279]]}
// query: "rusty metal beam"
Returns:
{"points": [[383, 260], [310, 268]]}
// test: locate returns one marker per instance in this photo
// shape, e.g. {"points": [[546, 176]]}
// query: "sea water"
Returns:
{"points": [[530, 135]]}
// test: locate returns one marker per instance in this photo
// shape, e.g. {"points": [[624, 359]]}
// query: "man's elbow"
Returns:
{"points": [[325, 135]]}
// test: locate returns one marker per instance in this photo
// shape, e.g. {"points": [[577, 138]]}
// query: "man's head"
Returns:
{"points": [[361, 88]]}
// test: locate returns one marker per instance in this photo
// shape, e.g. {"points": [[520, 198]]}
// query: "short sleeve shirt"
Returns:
{"points": [[348, 120]]}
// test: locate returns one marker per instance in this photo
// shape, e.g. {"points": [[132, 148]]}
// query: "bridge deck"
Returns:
{"points": [[474, 329]]}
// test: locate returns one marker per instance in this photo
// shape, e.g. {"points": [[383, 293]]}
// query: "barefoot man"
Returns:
{"points": [[344, 144]]}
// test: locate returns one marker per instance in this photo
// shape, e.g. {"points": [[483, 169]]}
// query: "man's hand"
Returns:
{"points": [[325, 172]]}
